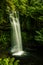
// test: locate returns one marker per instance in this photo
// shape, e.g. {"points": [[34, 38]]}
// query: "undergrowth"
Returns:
{"points": [[9, 61]]}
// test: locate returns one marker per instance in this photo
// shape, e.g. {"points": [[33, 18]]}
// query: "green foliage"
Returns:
{"points": [[16, 62], [3, 38], [2, 7], [8, 61], [39, 36], [25, 7], [5, 7], [29, 9]]}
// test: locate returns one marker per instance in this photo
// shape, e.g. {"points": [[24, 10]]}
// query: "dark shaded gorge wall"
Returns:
{"points": [[29, 26]]}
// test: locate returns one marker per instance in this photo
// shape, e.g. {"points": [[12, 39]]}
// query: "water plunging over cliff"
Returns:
{"points": [[16, 41]]}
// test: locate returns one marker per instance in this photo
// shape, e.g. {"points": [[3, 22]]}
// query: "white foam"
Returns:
{"points": [[18, 53]]}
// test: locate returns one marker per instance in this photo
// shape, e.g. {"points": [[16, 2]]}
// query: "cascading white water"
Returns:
{"points": [[16, 48]]}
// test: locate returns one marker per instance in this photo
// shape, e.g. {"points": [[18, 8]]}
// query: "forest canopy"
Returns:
{"points": [[25, 7]]}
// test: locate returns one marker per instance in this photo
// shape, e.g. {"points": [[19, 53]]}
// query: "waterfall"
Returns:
{"points": [[16, 41]]}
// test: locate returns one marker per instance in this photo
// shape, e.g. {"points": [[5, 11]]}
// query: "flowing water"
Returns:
{"points": [[16, 41]]}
